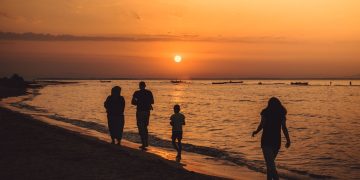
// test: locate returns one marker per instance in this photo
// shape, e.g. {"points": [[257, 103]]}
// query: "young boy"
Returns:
{"points": [[177, 120]]}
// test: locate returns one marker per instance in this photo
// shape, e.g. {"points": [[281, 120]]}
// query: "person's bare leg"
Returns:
{"points": [[179, 148], [174, 145], [275, 174]]}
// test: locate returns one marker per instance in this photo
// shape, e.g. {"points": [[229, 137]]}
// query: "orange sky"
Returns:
{"points": [[277, 38]]}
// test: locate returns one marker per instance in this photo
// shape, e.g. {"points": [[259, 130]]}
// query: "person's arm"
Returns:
{"points": [[171, 121], [106, 103], [151, 98], [259, 128], [134, 99], [184, 121], [286, 133], [122, 105]]}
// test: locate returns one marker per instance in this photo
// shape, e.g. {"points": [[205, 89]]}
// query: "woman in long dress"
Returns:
{"points": [[115, 105]]}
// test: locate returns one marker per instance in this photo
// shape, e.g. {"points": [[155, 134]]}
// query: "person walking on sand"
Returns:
{"points": [[273, 119], [177, 120], [143, 100], [115, 105]]}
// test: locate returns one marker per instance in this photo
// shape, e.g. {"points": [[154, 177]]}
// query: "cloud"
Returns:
{"points": [[21, 19], [142, 37]]}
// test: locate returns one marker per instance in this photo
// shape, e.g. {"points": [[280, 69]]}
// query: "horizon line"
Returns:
{"points": [[200, 78]]}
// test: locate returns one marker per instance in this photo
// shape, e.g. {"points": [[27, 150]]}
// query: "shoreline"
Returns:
{"points": [[193, 166]]}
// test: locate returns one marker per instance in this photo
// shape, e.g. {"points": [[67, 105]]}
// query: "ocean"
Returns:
{"points": [[323, 120]]}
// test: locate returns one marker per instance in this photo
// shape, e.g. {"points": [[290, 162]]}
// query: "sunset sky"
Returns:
{"points": [[229, 38]]}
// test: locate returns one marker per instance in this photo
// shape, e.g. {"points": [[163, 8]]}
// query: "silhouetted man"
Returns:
{"points": [[143, 100]]}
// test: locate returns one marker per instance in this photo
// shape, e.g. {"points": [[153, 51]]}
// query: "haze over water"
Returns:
{"points": [[323, 120]]}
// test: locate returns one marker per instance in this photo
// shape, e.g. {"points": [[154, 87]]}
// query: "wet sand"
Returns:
{"points": [[31, 149]]}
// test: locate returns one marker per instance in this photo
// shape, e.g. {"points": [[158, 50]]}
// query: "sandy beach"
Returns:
{"points": [[31, 149]]}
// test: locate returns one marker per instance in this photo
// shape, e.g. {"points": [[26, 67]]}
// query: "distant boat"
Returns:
{"points": [[228, 82], [103, 81], [177, 81], [236, 82], [218, 82], [300, 83]]}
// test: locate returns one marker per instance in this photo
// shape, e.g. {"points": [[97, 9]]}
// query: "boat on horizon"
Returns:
{"points": [[218, 82], [177, 81], [105, 81], [229, 82], [300, 83]]}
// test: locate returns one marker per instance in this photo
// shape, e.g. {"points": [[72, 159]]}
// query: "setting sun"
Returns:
{"points": [[177, 58]]}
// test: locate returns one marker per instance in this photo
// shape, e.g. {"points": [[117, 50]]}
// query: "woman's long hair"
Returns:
{"points": [[275, 107]]}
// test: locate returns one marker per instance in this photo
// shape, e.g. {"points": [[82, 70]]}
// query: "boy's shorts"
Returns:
{"points": [[176, 135]]}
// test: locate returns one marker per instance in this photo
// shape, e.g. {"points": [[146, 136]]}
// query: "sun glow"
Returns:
{"points": [[177, 58]]}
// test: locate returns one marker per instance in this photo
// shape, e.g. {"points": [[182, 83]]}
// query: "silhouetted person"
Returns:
{"points": [[177, 120], [273, 119], [115, 105], [350, 83], [143, 100]]}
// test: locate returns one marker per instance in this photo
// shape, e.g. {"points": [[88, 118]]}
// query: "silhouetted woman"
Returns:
{"points": [[115, 105], [273, 119]]}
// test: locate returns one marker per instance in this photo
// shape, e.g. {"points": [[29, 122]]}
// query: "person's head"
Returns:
{"points": [[176, 108], [275, 105], [142, 85], [115, 91]]}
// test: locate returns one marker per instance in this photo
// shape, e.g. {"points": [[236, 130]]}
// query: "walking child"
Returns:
{"points": [[177, 120]]}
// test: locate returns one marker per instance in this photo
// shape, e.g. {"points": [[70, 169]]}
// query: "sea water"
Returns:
{"points": [[323, 120]]}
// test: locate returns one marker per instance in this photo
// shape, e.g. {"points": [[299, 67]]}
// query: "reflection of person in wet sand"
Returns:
{"points": [[177, 120], [273, 119], [115, 105], [143, 100]]}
